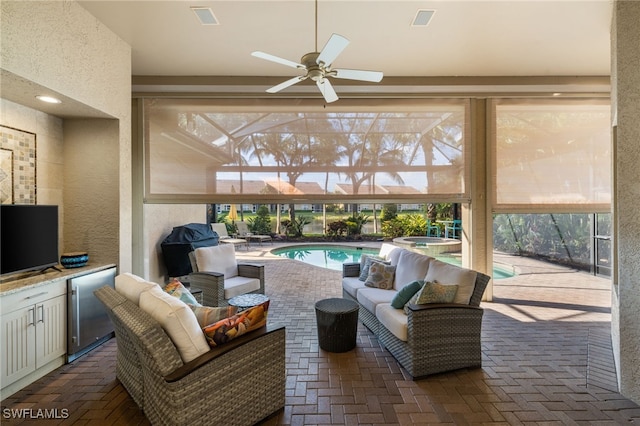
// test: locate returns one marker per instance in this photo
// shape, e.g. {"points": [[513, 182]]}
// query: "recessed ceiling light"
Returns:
{"points": [[205, 15], [48, 99], [423, 17]]}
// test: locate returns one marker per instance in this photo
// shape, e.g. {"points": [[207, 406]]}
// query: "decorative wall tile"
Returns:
{"points": [[22, 171]]}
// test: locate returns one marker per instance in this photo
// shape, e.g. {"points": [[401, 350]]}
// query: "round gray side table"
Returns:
{"points": [[248, 300], [337, 321]]}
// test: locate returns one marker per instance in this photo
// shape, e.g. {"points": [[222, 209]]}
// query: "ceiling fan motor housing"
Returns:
{"points": [[315, 71]]}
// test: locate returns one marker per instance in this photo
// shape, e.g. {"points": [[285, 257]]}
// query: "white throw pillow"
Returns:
{"points": [[445, 273], [178, 321], [220, 258], [411, 267], [130, 286]]}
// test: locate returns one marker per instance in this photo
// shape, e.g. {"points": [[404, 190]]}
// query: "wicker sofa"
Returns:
{"points": [[429, 338], [238, 383]]}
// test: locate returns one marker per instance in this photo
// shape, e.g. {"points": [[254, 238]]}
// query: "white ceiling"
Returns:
{"points": [[464, 38], [469, 47]]}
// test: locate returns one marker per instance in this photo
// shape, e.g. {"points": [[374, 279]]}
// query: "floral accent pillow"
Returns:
{"points": [[241, 323], [365, 264], [208, 315], [380, 276], [177, 289]]}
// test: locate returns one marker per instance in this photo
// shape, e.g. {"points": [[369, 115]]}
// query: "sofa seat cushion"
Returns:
{"points": [[394, 320], [177, 320], [411, 267], [370, 297], [352, 285], [220, 258], [131, 286], [240, 285], [444, 273]]}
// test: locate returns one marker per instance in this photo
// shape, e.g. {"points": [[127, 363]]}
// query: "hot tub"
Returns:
{"points": [[431, 246]]}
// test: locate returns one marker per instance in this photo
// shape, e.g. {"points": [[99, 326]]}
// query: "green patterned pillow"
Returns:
{"points": [[177, 289], [432, 293], [380, 276], [413, 300], [437, 293], [365, 263]]}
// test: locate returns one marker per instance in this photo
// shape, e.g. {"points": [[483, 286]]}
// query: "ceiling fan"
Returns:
{"points": [[317, 66]]}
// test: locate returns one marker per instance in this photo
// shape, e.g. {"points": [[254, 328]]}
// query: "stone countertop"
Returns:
{"points": [[28, 280]]}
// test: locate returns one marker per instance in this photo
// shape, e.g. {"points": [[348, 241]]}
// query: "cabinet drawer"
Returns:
{"points": [[20, 299]]}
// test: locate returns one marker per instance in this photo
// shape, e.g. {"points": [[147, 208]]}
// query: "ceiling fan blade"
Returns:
{"points": [[277, 59], [332, 49], [327, 90], [286, 84], [374, 76]]}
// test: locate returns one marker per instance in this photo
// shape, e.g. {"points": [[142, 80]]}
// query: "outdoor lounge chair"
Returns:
{"points": [[238, 383], [243, 231], [223, 235]]}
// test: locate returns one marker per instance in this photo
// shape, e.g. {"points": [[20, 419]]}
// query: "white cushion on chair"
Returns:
{"points": [[240, 285], [220, 258], [178, 321], [131, 286]]}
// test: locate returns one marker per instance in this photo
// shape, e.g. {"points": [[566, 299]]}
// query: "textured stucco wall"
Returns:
{"points": [[91, 191], [59, 45], [49, 154], [626, 110]]}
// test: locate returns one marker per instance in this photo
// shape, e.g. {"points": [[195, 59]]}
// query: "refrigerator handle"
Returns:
{"points": [[75, 323]]}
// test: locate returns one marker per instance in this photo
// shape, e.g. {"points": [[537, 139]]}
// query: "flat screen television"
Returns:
{"points": [[29, 237]]}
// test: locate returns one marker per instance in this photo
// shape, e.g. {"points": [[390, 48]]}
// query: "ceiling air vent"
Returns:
{"points": [[205, 15], [423, 16]]}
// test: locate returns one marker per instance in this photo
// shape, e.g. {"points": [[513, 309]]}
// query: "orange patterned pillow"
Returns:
{"points": [[208, 315], [243, 322]]}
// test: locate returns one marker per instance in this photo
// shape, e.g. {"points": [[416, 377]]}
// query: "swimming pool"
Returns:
{"points": [[333, 256], [327, 256]]}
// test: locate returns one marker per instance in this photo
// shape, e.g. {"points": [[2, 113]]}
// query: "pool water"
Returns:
{"points": [[332, 257]]}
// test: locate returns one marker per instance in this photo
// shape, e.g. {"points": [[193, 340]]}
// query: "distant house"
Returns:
{"points": [[268, 187], [347, 189]]}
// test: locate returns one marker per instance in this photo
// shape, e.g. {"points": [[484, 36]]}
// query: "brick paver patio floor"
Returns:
{"points": [[547, 360]]}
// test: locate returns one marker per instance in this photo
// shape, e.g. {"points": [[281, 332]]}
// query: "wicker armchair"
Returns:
{"points": [[239, 383], [220, 281], [128, 368]]}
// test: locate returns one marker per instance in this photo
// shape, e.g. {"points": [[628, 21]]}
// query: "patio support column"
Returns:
{"points": [[625, 109], [476, 216]]}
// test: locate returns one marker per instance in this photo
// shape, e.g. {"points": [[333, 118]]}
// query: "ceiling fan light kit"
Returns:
{"points": [[317, 67]]}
